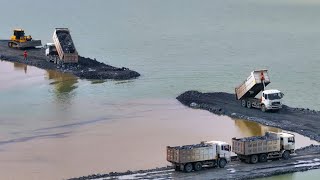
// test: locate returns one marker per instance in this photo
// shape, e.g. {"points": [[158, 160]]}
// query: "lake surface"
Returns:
{"points": [[177, 46]]}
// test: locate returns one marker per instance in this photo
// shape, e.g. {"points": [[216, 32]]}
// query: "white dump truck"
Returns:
{"points": [[261, 148], [250, 88], [193, 157], [51, 52]]}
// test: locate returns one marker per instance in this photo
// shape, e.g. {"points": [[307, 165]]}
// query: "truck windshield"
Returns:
{"points": [[291, 139], [274, 96], [226, 148]]}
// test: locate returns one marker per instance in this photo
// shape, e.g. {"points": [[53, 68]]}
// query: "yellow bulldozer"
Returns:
{"points": [[20, 41]]}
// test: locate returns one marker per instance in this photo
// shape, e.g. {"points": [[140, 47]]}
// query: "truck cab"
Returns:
{"points": [[272, 99], [287, 142], [50, 49], [223, 149]]}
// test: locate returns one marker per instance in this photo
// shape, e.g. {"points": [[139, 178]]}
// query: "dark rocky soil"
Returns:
{"points": [[299, 120], [86, 68]]}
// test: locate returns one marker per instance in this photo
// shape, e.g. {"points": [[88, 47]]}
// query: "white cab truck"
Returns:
{"points": [[51, 52], [261, 148], [250, 88], [192, 157]]}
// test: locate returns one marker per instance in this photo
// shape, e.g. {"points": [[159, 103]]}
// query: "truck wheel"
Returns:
{"points": [[249, 105], [263, 158], [243, 103], [254, 159], [286, 155], [188, 167], [176, 168], [263, 108], [222, 163], [197, 166]]}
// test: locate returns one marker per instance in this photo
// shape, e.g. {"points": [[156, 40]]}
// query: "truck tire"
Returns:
{"points": [[243, 103], [188, 167], [286, 155], [197, 166], [263, 108], [249, 104], [263, 158], [176, 168], [222, 163], [254, 159]]}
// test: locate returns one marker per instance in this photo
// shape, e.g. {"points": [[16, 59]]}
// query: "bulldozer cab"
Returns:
{"points": [[18, 33]]}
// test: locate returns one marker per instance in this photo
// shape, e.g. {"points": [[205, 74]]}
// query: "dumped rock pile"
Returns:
{"points": [[86, 68], [299, 120]]}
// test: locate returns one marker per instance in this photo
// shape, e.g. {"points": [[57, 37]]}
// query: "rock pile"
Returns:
{"points": [[192, 146]]}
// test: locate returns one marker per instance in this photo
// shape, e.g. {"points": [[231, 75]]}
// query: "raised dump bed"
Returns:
{"points": [[65, 47], [254, 84]]}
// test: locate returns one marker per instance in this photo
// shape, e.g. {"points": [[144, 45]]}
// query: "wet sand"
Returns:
{"points": [[135, 140]]}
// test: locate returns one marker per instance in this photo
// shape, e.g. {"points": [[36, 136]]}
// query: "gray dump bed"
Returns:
{"points": [[65, 46], [256, 145], [253, 85], [191, 153]]}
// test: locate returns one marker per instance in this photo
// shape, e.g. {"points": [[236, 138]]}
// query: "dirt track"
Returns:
{"points": [[299, 120], [305, 159], [86, 68]]}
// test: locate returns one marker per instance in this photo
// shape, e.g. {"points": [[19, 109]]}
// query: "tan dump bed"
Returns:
{"points": [[256, 145], [185, 154], [64, 45], [253, 85]]}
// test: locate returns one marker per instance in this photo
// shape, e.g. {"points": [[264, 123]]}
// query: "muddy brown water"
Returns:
{"points": [[176, 45], [111, 136]]}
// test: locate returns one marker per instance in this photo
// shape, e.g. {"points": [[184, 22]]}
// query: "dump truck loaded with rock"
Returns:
{"points": [[261, 148], [217, 153], [193, 157], [250, 88]]}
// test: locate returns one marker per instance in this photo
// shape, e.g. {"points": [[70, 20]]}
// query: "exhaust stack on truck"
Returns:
{"points": [[250, 88]]}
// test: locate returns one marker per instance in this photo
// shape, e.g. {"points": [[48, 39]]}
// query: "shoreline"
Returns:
{"points": [[302, 121], [86, 68]]}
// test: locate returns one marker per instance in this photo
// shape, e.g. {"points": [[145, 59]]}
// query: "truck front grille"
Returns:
{"points": [[275, 103]]}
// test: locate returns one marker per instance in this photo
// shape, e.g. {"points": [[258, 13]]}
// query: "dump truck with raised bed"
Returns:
{"points": [[64, 45], [261, 148], [193, 157], [252, 86]]}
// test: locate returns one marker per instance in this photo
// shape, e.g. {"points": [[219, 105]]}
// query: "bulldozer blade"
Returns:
{"points": [[30, 44]]}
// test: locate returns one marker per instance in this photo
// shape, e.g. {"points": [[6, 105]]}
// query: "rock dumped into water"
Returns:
{"points": [[66, 41], [301, 120]]}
